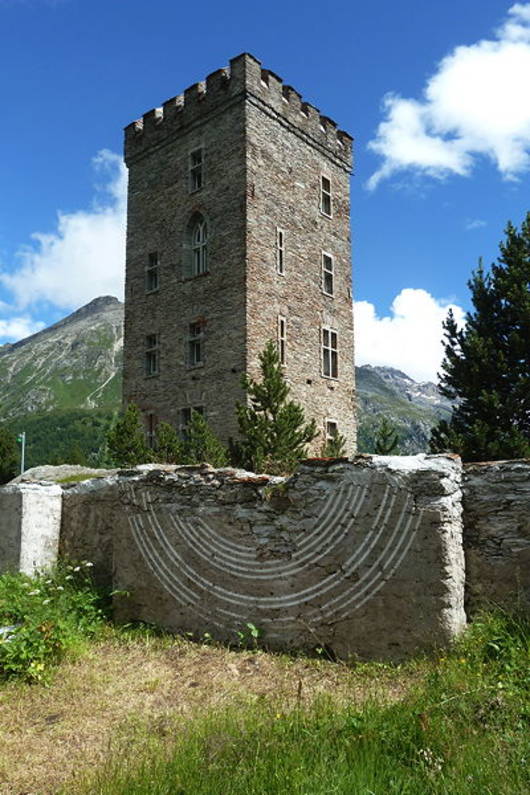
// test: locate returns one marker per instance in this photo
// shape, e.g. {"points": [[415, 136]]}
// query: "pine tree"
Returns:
{"points": [[486, 368], [202, 445], [386, 439], [335, 447], [273, 430], [9, 455], [126, 439], [169, 448]]}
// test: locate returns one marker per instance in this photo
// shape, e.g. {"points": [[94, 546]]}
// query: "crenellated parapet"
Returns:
{"points": [[243, 78]]}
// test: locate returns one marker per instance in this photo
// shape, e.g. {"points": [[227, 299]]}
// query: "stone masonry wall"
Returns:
{"points": [[264, 152], [497, 535]]}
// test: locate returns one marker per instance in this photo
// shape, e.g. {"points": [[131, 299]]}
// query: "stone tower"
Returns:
{"points": [[238, 232]]}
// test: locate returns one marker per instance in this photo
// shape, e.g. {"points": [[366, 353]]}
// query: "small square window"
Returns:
{"points": [[152, 354], [280, 251], [325, 196], [152, 273], [327, 273], [282, 338], [330, 354], [195, 344], [196, 169]]}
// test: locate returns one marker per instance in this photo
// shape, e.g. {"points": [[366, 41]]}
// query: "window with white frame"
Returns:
{"points": [[327, 273], [185, 419], [196, 169], [195, 344], [325, 195], [152, 354], [282, 338], [332, 430], [199, 247], [280, 251], [330, 353], [152, 273]]}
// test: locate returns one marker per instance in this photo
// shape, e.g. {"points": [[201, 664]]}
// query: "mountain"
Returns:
{"points": [[74, 364], [411, 406], [63, 385]]}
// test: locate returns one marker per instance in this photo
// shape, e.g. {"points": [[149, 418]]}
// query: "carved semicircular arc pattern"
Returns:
{"points": [[359, 538]]}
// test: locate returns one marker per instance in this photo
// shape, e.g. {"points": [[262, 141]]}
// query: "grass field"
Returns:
{"points": [[133, 711]]}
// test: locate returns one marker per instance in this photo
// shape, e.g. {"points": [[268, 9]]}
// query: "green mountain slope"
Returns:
{"points": [[412, 407], [74, 364]]}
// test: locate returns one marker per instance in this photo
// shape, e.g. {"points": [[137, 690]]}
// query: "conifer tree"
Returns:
{"points": [[126, 439], [169, 447], [486, 368], [9, 455], [274, 433], [386, 440], [335, 447], [202, 445]]}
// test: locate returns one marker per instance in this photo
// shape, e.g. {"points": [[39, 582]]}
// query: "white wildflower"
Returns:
{"points": [[36, 592]]}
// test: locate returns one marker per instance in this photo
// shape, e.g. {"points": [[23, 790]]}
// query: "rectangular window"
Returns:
{"points": [[327, 273], [152, 354], [195, 344], [150, 433], [332, 430], [196, 169], [325, 195], [152, 274], [330, 354], [282, 338], [185, 419], [280, 251]]}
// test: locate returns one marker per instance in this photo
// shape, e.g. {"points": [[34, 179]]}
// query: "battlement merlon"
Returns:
{"points": [[246, 78]]}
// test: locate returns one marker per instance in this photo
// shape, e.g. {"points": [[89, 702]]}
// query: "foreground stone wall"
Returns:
{"points": [[30, 520], [497, 535], [364, 558]]}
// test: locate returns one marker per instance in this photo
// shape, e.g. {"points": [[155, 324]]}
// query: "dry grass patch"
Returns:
{"points": [[49, 735]]}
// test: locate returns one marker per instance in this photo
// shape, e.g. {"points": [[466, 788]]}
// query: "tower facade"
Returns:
{"points": [[238, 232]]}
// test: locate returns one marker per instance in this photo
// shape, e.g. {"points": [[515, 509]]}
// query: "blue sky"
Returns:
{"points": [[435, 94]]}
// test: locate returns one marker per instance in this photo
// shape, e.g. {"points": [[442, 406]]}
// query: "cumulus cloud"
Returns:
{"points": [[477, 103], [409, 339], [84, 257], [16, 328]]}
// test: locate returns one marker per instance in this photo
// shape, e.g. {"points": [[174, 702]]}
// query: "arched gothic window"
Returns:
{"points": [[199, 247]]}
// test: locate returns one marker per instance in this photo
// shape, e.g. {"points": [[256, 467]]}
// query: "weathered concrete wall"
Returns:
{"points": [[497, 534], [87, 525], [362, 557], [30, 520]]}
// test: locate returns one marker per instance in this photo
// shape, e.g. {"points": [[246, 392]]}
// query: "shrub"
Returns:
{"points": [[45, 617]]}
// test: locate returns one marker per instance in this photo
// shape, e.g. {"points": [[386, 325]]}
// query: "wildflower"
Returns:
{"points": [[49, 582], [46, 601], [68, 577], [77, 568], [88, 563], [36, 592], [59, 588]]}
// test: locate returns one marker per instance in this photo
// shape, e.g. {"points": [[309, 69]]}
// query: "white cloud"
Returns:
{"points": [[84, 257], [477, 103], [409, 339], [16, 328], [475, 223]]}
